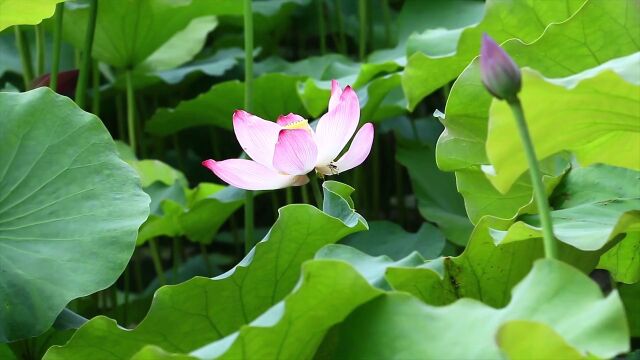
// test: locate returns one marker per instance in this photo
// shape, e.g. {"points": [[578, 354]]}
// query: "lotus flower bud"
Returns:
{"points": [[500, 74]]}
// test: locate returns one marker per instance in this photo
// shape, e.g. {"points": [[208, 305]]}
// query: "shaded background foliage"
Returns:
{"points": [[445, 193]]}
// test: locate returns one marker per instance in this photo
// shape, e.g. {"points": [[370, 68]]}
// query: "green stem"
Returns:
{"points": [[83, 75], [120, 117], [137, 270], [57, 45], [289, 195], [248, 222], [316, 191], [321, 27], [127, 292], [25, 57], [131, 112], [550, 245], [342, 44], [157, 261], [274, 204], [305, 194], [375, 193], [180, 155], [95, 80], [362, 39], [39, 30], [215, 143], [248, 55], [113, 292], [248, 95], [386, 14], [402, 209], [235, 233], [207, 261], [177, 256]]}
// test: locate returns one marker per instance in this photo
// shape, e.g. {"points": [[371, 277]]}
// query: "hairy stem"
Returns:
{"points": [[550, 245]]}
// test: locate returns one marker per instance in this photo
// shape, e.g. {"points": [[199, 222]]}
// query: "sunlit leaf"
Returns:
{"points": [[553, 293], [19, 12], [521, 339], [502, 20], [599, 119], [200, 311]]}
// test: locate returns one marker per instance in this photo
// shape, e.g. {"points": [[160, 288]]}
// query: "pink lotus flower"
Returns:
{"points": [[283, 153]]}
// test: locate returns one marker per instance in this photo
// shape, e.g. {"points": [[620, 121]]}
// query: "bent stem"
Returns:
{"points": [[57, 44], [83, 76], [248, 89], [550, 246]]}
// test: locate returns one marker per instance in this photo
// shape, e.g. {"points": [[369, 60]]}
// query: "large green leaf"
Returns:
{"points": [[462, 146], [197, 312], [522, 339], [19, 12], [438, 198], [481, 198], [631, 298], [148, 34], [195, 213], [599, 119], [520, 19], [69, 209], [275, 94], [623, 260], [214, 65], [332, 288], [395, 326], [591, 207], [371, 268], [484, 271], [390, 239], [373, 81]]}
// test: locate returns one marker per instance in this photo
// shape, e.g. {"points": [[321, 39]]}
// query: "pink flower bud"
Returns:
{"points": [[500, 74]]}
